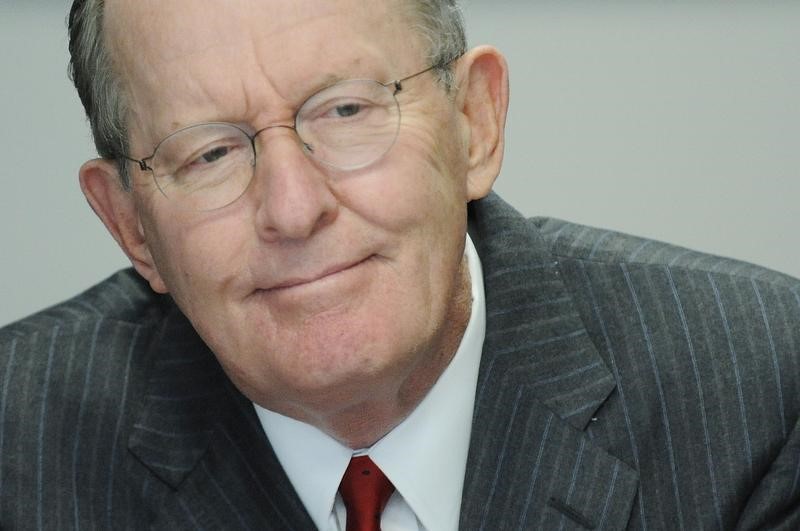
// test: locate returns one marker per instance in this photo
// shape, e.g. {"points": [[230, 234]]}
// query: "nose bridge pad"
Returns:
{"points": [[306, 146]]}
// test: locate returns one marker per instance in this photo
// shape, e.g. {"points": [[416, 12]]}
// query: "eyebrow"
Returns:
{"points": [[355, 65], [328, 80], [322, 83]]}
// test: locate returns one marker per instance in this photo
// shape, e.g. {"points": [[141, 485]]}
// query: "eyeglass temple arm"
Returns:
{"points": [[398, 84], [141, 163]]}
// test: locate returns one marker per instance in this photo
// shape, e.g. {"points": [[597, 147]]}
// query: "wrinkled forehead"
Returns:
{"points": [[186, 61], [173, 27]]}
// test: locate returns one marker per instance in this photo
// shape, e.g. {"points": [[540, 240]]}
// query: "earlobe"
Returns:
{"points": [[483, 99], [116, 208]]}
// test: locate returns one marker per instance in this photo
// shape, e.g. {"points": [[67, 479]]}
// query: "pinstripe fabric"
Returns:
{"points": [[710, 392], [116, 416], [624, 384], [627, 383]]}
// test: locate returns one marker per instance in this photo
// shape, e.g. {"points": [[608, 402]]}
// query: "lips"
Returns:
{"points": [[331, 271]]}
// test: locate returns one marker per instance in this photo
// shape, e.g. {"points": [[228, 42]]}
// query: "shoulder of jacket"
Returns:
{"points": [[591, 244], [122, 301]]}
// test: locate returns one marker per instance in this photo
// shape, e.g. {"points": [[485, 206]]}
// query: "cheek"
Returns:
{"points": [[196, 258], [419, 183]]}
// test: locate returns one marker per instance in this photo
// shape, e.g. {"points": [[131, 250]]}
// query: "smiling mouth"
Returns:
{"points": [[325, 274]]}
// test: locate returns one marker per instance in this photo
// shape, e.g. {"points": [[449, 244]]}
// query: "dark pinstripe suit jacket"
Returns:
{"points": [[624, 384]]}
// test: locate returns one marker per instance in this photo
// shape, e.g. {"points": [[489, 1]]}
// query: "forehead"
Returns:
{"points": [[176, 56], [173, 25], [154, 32]]}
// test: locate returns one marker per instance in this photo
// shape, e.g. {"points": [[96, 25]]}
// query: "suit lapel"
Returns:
{"points": [[531, 464], [201, 437]]}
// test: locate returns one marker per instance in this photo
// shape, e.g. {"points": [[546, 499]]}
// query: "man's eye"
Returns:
{"points": [[350, 108], [347, 110], [213, 155]]}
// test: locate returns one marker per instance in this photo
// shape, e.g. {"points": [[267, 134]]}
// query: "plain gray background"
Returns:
{"points": [[678, 121]]}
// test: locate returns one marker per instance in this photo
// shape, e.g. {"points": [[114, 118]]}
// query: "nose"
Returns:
{"points": [[294, 195]]}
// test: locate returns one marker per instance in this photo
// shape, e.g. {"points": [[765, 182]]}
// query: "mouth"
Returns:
{"points": [[327, 273]]}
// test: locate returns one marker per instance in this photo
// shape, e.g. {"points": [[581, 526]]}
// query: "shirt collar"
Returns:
{"points": [[425, 456]]}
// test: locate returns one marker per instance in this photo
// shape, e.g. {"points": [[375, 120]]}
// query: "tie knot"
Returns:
{"points": [[365, 491]]}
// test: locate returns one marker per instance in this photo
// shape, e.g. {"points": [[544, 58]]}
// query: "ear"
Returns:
{"points": [[118, 211], [483, 101]]}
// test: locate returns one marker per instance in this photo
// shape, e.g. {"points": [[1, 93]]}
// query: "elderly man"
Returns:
{"points": [[334, 324]]}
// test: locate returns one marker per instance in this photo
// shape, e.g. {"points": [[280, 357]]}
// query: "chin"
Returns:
{"points": [[337, 364]]}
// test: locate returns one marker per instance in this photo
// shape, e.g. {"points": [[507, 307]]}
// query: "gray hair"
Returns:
{"points": [[441, 25], [102, 92]]}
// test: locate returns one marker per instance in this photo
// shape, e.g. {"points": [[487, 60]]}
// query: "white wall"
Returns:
{"points": [[674, 120], [678, 121], [52, 245]]}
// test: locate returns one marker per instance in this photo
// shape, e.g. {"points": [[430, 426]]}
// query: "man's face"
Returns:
{"points": [[316, 290]]}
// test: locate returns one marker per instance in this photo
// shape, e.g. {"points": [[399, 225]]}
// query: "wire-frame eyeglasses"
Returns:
{"points": [[347, 126]]}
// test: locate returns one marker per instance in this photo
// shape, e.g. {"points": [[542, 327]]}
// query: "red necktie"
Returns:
{"points": [[365, 491]]}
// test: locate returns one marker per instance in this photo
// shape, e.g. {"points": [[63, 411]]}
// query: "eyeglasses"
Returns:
{"points": [[347, 126]]}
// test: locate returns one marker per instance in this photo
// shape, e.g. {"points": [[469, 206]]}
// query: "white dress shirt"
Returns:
{"points": [[425, 456]]}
